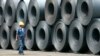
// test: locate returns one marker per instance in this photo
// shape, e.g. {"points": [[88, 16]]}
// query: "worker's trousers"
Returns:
{"points": [[21, 46]]}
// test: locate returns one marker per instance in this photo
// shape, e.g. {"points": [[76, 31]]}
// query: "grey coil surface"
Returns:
{"points": [[4, 36], [68, 11], [14, 43], [60, 37], [30, 37], [76, 38], [36, 11], [43, 36], [52, 11], [2, 10], [88, 10], [22, 10], [10, 11], [92, 37]]}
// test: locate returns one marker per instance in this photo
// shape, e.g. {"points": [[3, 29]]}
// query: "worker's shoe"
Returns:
{"points": [[21, 53]]}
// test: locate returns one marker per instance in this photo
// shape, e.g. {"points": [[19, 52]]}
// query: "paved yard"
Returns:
{"points": [[39, 53]]}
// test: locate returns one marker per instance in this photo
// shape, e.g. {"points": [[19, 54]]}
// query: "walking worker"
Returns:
{"points": [[20, 37]]}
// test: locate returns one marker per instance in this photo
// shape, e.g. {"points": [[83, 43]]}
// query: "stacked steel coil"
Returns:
{"points": [[61, 24]]}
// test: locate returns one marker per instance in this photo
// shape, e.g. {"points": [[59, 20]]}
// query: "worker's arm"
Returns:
{"points": [[16, 35]]}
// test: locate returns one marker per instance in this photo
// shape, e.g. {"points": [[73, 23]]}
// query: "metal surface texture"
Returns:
{"points": [[10, 11], [22, 11], [4, 36], [92, 36], [60, 37], [2, 7], [68, 11], [30, 37], [43, 36], [36, 11], [52, 11], [14, 43], [88, 10], [76, 37]]}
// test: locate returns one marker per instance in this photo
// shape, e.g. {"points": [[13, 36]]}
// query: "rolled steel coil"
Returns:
{"points": [[76, 38], [14, 43], [52, 11], [88, 10], [4, 36], [2, 7], [30, 37], [92, 36], [22, 10], [68, 11], [43, 36], [36, 11], [10, 11], [60, 37]]}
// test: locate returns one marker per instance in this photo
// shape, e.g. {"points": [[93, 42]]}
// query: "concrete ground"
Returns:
{"points": [[39, 53]]}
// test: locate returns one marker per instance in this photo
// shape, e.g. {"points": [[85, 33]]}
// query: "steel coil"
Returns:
{"points": [[87, 10], [43, 36], [76, 38], [4, 36], [36, 11], [30, 37], [60, 37], [10, 11], [14, 43], [92, 36], [52, 11], [2, 7], [22, 11], [68, 11]]}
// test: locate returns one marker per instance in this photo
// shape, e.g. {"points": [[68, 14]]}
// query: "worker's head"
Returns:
{"points": [[21, 24]]}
